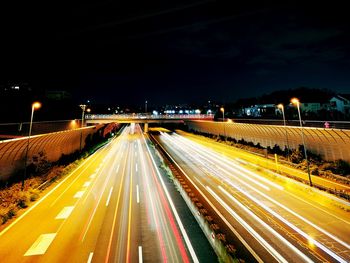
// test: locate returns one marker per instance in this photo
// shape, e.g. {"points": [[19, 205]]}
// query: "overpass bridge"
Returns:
{"points": [[144, 118], [331, 143]]}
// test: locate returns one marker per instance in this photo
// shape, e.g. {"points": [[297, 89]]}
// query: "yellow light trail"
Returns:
{"points": [[116, 210], [129, 217]]}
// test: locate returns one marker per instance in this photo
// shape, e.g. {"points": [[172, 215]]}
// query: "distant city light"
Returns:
{"points": [[181, 111], [197, 111], [155, 112]]}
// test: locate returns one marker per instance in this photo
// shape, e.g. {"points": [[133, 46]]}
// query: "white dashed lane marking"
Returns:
{"points": [[40, 246], [65, 212], [79, 194]]}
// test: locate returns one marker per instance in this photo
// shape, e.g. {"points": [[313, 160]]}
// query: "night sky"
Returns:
{"points": [[175, 51]]}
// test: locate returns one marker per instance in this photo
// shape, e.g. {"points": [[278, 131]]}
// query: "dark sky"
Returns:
{"points": [[176, 51]]}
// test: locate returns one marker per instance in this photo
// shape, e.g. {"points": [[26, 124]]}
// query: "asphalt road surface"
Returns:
{"points": [[113, 208], [277, 220]]}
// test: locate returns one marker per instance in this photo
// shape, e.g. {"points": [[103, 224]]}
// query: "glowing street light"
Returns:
{"points": [[296, 101], [223, 113], [36, 105], [281, 107], [83, 107], [223, 119]]}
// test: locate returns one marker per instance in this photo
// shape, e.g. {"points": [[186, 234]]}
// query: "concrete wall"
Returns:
{"points": [[331, 144], [12, 152]]}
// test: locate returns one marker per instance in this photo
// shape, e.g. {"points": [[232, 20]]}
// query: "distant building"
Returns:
{"points": [[261, 110], [341, 103], [311, 106]]}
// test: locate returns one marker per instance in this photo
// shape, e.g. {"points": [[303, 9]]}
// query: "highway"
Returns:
{"points": [[276, 220], [114, 208]]}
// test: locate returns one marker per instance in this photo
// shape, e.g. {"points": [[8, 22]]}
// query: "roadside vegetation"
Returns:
{"points": [[41, 174]]}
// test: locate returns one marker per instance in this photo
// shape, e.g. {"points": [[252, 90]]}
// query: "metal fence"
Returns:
{"points": [[21, 128], [13, 152], [331, 144]]}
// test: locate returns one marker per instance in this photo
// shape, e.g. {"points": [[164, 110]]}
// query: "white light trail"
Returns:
{"points": [[109, 196], [298, 252], [182, 229], [137, 194], [262, 241]]}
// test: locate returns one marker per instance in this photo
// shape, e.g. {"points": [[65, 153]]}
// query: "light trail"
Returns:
{"points": [[275, 233], [208, 160], [109, 196], [182, 229], [266, 196], [197, 155], [201, 149], [262, 241], [129, 214], [296, 229], [155, 218], [115, 213]]}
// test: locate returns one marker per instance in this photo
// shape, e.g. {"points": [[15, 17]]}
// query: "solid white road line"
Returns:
{"points": [[79, 194], [117, 168], [90, 257], [140, 254], [65, 212], [40, 246], [109, 196], [137, 194]]}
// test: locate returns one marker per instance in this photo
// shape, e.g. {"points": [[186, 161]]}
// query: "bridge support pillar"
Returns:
{"points": [[145, 127]]}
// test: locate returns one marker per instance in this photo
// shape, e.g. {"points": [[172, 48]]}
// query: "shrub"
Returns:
{"points": [[34, 195], [341, 167], [11, 213], [3, 216], [22, 201]]}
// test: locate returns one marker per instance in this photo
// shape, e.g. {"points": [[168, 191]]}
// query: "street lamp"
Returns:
{"points": [[146, 106], [223, 113], [296, 101], [35, 105], [281, 107], [83, 107], [223, 119]]}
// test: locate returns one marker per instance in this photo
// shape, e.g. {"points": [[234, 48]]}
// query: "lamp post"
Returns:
{"points": [[281, 107], [296, 101], [35, 105], [223, 119], [83, 107], [223, 113]]}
